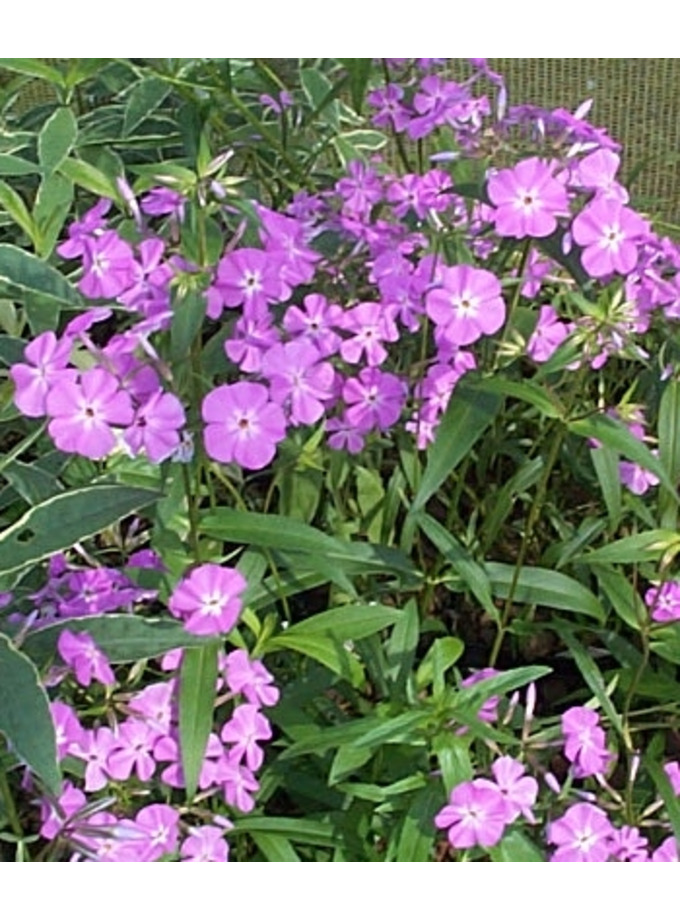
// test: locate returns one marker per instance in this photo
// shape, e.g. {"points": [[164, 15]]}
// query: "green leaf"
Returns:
{"points": [[398, 729], [469, 413], [301, 830], [90, 178], [441, 655], [144, 99], [472, 573], [649, 546], [589, 671], [123, 637], [621, 594], [59, 522], [33, 276], [11, 165], [14, 204], [25, 718], [515, 847], [33, 484], [470, 699], [34, 67], [544, 588], [197, 691], [52, 206], [322, 95], [614, 434], [274, 847], [188, 313], [11, 350], [325, 649], [348, 759], [400, 651], [349, 623], [359, 70], [335, 558], [56, 139], [324, 739], [526, 391], [606, 463], [669, 450], [665, 790], [453, 754]]}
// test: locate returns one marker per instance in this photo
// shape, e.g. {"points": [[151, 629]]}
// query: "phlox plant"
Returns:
{"points": [[341, 424]]}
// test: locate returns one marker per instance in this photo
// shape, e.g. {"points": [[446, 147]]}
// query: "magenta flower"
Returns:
{"points": [[528, 199], [518, 790], [48, 358], [672, 771], [84, 656], [628, 845], [371, 325], [475, 815], [94, 748], [316, 321], [610, 234], [208, 599], [156, 427], [585, 742], [667, 852], [83, 413], [54, 818], [374, 400], [158, 828], [252, 278], [246, 727], [237, 783], [91, 224], [582, 834], [548, 335], [664, 602], [109, 264], [132, 751], [205, 844], [67, 728], [250, 678], [467, 304], [298, 378], [242, 425]]}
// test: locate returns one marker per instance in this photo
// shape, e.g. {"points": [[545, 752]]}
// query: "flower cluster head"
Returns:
{"points": [[585, 742]]}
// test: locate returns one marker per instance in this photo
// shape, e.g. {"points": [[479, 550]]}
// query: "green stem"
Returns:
{"points": [[10, 806]]}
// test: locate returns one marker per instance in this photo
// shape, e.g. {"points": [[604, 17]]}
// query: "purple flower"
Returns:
{"points": [[208, 599], [250, 678], [664, 602], [109, 264], [242, 425], [372, 324], [155, 429], [475, 815], [374, 400], [131, 751], [159, 201], [48, 358], [83, 413], [519, 791], [205, 844], [84, 656], [79, 231], [94, 748], [628, 845], [252, 278], [246, 727], [548, 335], [298, 378], [467, 303], [316, 322], [610, 234], [528, 199], [582, 834], [585, 742]]}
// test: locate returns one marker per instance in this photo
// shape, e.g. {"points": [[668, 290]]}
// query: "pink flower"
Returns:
{"points": [[667, 852], [298, 378], [585, 742], [475, 815], [208, 599], [250, 678], [48, 358], [246, 727], [582, 834], [205, 844], [155, 429], [110, 266], [467, 304], [243, 425], [664, 602], [374, 400], [85, 657], [610, 234], [548, 335], [252, 278], [83, 413], [519, 791], [528, 199]]}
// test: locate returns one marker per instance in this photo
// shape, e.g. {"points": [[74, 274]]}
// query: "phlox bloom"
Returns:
{"points": [[242, 425], [582, 834], [467, 304], [528, 199], [475, 815], [208, 599]]}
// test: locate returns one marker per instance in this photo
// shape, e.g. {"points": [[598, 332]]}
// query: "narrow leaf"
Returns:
{"points": [[468, 415], [669, 450], [59, 522], [25, 718], [57, 138], [144, 99], [29, 273], [544, 588], [197, 691]]}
